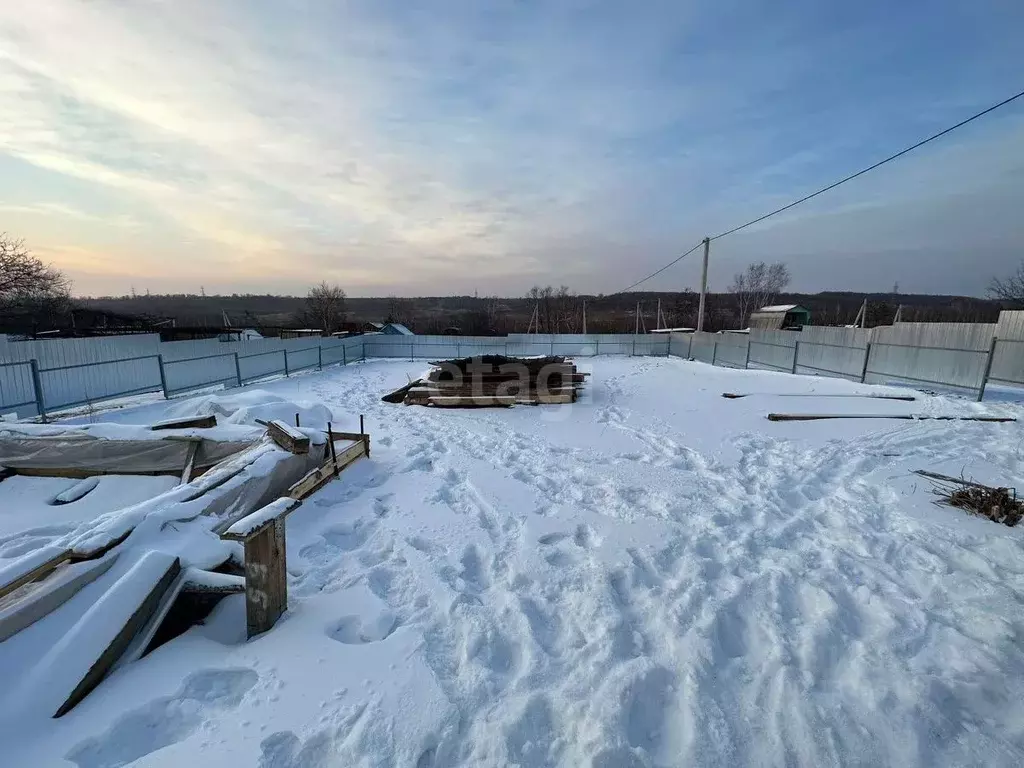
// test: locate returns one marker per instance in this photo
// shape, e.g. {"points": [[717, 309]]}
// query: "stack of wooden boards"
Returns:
{"points": [[494, 381]]}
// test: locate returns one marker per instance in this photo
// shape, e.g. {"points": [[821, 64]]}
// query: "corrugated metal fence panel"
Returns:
{"points": [[843, 337], [58, 353], [1010, 324], [1008, 361], [702, 346], [303, 358], [679, 344], [944, 335], [772, 350], [261, 365], [17, 392], [732, 350], [819, 359], [196, 373], [70, 386], [959, 369]]}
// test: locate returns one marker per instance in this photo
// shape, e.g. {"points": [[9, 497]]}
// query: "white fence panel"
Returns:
{"points": [[74, 385], [303, 358], [820, 359], [732, 350], [196, 373], [260, 365], [679, 344], [702, 346], [956, 368], [1008, 361], [17, 390]]}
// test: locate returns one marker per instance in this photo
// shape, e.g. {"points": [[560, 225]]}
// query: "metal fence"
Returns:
{"points": [[31, 388], [85, 374], [960, 369]]}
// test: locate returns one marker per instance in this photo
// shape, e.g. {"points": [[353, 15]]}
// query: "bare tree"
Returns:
{"points": [[758, 286], [28, 282], [1010, 288], [325, 304]]}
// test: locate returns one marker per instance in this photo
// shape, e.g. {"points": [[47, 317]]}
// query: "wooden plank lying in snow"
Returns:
{"points": [[106, 630], [288, 437], [31, 567], [472, 402], [734, 396], [904, 416], [34, 600], [192, 422]]}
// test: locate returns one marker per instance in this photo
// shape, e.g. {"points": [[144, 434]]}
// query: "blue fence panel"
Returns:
{"points": [[17, 390], [73, 385], [200, 372], [261, 365], [303, 359]]}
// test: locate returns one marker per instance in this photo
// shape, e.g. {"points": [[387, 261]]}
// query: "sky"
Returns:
{"points": [[487, 146]]}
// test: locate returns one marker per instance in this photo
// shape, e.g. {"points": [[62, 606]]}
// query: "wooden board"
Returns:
{"points": [[121, 638], [25, 606], [193, 422], [906, 417], [319, 477], [190, 463], [288, 437], [266, 578], [35, 573], [471, 402]]}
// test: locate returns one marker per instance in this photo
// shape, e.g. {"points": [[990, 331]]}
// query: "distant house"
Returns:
{"points": [[298, 333], [780, 317], [396, 329]]}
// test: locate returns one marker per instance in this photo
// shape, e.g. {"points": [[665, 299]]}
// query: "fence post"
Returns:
{"points": [[714, 352], [796, 354], [988, 368], [285, 361], [320, 358], [634, 346], [37, 386], [238, 370], [344, 355], [364, 351], [864, 370], [163, 376], [746, 360], [553, 345], [689, 348], [412, 351], [597, 346]]}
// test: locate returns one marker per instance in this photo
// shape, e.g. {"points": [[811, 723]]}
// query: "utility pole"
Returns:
{"points": [[657, 320], [636, 330], [703, 284], [584, 317]]}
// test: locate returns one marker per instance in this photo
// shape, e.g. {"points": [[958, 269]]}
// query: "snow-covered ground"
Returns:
{"points": [[653, 576]]}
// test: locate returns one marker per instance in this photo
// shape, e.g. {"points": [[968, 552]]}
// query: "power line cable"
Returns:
{"points": [[861, 172], [653, 274], [852, 176]]}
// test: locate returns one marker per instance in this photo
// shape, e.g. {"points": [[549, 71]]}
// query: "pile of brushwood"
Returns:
{"points": [[1000, 505], [494, 381]]}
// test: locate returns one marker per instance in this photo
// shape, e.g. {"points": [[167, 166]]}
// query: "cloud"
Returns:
{"points": [[420, 149]]}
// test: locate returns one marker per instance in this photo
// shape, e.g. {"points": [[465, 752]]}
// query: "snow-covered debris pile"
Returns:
{"points": [[249, 406]]}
